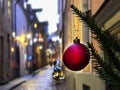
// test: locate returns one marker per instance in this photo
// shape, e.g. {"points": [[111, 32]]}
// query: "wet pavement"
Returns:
{"points": [[42, 81]]}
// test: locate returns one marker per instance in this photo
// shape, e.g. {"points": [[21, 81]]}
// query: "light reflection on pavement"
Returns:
{"points": [[41, 81]]}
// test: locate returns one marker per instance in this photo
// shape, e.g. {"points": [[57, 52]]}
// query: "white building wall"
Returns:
{"points": [[76, 80], [21, 21], [21, 31]]}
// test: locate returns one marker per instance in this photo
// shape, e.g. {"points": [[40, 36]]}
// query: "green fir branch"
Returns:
{"points": [[105, 71], [105, 42], [108, 68]]}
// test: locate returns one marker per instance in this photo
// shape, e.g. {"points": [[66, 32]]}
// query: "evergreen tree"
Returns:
{"points": [[107, 68]]}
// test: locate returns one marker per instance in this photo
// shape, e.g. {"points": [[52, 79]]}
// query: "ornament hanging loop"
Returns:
{"points": [[76, 40]]}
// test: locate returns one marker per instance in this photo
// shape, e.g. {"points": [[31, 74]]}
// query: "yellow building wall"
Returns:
{"points": [[73, 27]]}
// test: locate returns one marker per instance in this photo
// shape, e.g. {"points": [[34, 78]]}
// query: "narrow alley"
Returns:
{"points": [[59, 44], [41, 81]]}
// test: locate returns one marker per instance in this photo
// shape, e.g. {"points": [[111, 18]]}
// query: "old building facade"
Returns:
{"points": [[71, 27], [6, 41], [17, 22], [107, 13]]}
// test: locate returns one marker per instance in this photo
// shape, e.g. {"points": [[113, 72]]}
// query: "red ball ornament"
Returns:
{"points": [[76, 56]]}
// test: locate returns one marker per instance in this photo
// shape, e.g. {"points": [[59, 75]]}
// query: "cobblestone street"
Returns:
{"points": [[42, 81]]}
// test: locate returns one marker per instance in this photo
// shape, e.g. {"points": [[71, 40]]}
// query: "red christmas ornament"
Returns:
{"points": [[76, 56]]}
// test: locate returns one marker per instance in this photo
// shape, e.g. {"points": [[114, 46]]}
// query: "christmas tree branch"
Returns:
{"points": [[108, 68], [101, 36], [104, 69]]}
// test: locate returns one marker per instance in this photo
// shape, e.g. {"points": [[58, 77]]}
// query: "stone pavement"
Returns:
{"points": [[15, 82], [42, 80]]}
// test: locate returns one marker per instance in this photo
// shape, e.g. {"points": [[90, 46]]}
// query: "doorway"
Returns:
{"points": [[17, 61], [1, 58]]}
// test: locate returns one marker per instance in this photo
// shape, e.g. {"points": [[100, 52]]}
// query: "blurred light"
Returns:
{"points": [[34, 40], [36, 34], [55, 38], [35, 25], [12, 49], [21, 39], [40, 47], [31, 42], [60, 40], [29, 35], [25, 56], [49, 50], [40, 39], [13, 34], [29, 57]]}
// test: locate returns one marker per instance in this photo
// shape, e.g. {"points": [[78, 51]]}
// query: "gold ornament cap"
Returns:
{"points": [[76, 40]]}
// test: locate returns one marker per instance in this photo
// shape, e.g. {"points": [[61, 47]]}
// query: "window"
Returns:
{"points": [[2, 4], [86, 87], [85, 4], [9, 9]]}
